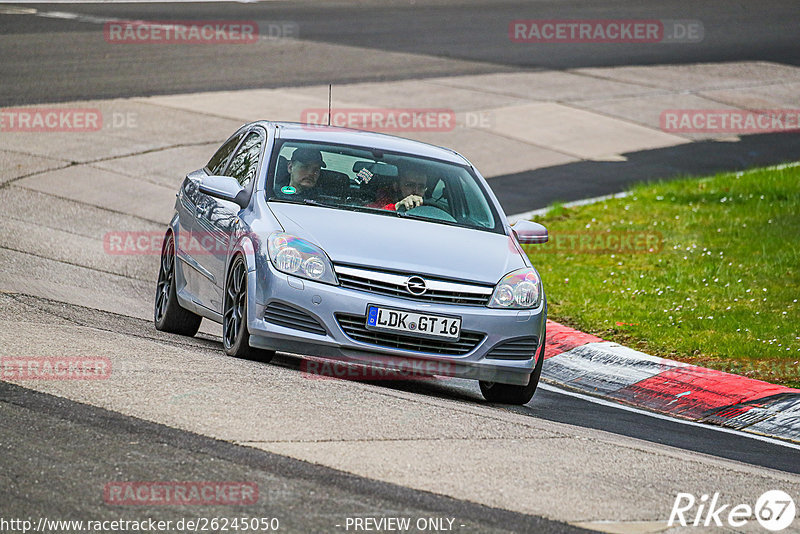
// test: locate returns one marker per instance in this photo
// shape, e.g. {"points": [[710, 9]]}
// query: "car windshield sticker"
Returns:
{"points": [[288, 190], [363, 176]]}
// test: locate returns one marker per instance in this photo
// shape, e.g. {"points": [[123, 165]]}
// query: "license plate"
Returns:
{"points": [[417, 324]]}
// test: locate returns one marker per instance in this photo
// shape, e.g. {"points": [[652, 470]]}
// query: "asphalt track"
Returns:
{"points": [[88, 446], [588, 179], [58, 454], [50, 59]]}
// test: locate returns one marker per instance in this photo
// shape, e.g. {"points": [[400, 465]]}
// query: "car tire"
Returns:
{"points": [[511, 394], [168, 315], [235, 336]]}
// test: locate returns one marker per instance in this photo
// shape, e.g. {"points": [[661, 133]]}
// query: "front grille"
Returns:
{"points": [[393, 285], [354, 327], [290, 317], [516, 349]]}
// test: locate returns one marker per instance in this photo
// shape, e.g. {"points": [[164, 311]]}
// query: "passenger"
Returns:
{"points": [[304, 170]]}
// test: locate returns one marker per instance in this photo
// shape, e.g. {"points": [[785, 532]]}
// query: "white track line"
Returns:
{"points": [[603, 402], [543, 211], [81, 17]]}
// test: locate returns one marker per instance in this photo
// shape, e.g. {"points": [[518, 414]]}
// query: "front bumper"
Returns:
{"points": [[326, 304]]}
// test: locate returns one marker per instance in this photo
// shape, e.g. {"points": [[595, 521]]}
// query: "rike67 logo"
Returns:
{"points": [[774, 510]]}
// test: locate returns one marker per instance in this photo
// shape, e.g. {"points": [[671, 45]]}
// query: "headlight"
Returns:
{"points": [[298, 257], [519, 289]]}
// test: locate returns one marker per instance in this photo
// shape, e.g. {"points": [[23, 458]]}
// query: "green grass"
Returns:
{"points": [[721, 290]]}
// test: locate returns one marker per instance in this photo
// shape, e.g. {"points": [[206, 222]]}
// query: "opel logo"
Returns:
{"points": [[416, 285]]}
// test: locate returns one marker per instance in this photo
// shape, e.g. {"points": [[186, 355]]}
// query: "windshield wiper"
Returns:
{"points": [[308, 201], [348, 207], [407, 215], [315, 202], [370, 209], [283, 200]]}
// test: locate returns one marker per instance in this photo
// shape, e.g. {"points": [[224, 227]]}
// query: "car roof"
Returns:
{"points": [[360, 138]]}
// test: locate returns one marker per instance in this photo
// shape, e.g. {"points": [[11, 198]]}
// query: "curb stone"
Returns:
{"points": [[586, 363]]}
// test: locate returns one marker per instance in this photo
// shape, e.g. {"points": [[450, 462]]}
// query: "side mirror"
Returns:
{"points": [[529, 232], [225, 188]]}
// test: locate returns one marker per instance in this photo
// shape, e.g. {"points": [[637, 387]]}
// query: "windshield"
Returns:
{"points": [[391, 184]]}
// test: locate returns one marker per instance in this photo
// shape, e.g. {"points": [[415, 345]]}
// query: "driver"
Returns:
{"points": [[412, 182]]}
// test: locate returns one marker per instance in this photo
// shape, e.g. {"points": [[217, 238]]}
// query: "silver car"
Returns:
{"points": [[354, 246]]}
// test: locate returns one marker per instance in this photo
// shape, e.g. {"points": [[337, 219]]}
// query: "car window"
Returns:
{"points": [[244, 164], [476, 206], [359, 178], [220, 160]]}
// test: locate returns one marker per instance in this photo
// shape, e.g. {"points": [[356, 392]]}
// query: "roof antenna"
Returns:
{"points": [[330, 89]]}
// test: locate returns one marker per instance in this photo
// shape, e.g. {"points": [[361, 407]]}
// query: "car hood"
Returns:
{"points": [[381, 241]]}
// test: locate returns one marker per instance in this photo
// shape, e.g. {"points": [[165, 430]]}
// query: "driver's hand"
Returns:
{"points": [[410, 202]]}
